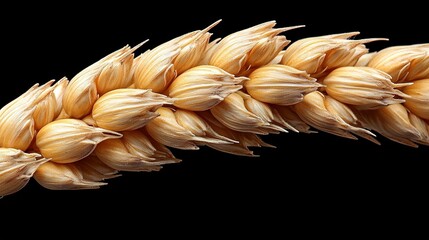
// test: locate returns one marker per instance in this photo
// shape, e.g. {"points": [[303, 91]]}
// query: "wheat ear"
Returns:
{"points": [[123, 113]]}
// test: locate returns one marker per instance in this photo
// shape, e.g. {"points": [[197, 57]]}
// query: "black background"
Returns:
{"points": [[315, 178]]}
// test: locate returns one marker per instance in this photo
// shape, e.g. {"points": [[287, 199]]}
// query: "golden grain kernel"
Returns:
{"points": [[279, 84], [210, 49], [192, 48], [393, 122], [116, 74], [347, 115], [133, 152], [127, 109], [58, 176], [166, 130], [81, 93], [289, 116], [69, 140], [403, 63], [58, 91], [199, 127], [313, 111], [139, 143], [243, 140], [418, 102], [251, 47], [422, 127], [200, 88], [363, 87], [264, 111], [49, 104], [264, 50], [93, 169], [319, 55], [16, 169], [156, 68], [232, 113], [16, 118]]}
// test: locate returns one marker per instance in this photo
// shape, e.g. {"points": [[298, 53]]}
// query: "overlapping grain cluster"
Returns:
{"points": [[123, 113]]}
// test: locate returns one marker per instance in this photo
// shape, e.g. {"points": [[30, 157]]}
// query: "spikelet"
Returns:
{"points": [[249, 48], [313, 111], [166, 130], [279, 84], [211, 47], [49, 105], [81, 93], [199, 127], [393, 122], [363, 87], [233, 114], [134, 152], [202, 87], [117, 72], [418, 102], [319, 55], [288, 115], [16, 118], [264, 111], [93, 169], [58, 176], [127, 109], [243, 140], [16, 169], [115, 154], [156, 68], [70, 140], [364, 59], [403, 63], [192, 48], [347, 115], [422, 127], [140, 143], [58, 91]]}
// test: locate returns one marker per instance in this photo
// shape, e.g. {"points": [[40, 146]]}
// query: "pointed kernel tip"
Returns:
{"points": [[110, 134], [369, 40], [139, 45], [211, 26], [381, 39], [401, 85], [346, 35], [47, 84], [292, 27], [271, 22]]}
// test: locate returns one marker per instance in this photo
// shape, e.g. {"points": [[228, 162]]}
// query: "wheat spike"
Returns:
{"points": [[123, 113]]}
